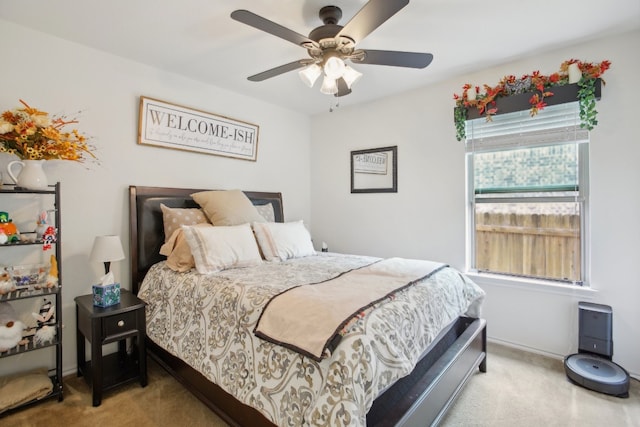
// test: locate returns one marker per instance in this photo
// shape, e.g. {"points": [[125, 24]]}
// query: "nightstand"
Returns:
{"points": [[101, 326]]}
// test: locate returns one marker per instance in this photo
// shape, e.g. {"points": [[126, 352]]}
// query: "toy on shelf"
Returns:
{"points": [[52, 277], [49, 237], [8, 228], [10, 328], [42, 223], [6, 282], [45, 323]]}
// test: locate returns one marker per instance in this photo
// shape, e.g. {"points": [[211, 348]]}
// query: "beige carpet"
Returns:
{"points": [[525, 389], [163, 402], [520, 389]]}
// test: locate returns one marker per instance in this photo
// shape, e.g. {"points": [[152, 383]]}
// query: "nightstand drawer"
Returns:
{"points": [[114, 327]]}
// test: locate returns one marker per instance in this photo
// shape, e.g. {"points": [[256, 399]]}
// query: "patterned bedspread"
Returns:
{"points": [[208, 322]]}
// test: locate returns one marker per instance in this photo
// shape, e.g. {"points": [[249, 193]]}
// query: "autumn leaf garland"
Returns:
{"points": [[542, 86]]}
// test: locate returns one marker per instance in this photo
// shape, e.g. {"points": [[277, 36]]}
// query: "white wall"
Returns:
{"points": [[61, 77], [426, 218]]}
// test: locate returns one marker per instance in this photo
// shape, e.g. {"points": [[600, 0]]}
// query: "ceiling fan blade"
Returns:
{"points": [[279, 70], [371, 16], [343, 89], [271, 27], [394, 58]]}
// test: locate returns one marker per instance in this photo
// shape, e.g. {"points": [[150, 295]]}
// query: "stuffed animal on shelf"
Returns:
{"points": [[45, 323], [6, 284], [41, 224], [48, 238], [10, 328], [8, 228], [52, 278], [46, 316]]}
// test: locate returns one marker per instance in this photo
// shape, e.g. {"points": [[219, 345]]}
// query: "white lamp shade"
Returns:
{"points": [[334, 67], [351, 76], [310, 74], [107, 249], [329, 86]]}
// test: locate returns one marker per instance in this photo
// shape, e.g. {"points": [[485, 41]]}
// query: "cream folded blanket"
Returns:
{"points": [[307, 318], [24, 387]]}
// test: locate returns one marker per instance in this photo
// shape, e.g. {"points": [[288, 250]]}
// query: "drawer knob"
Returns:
{"points": [[121, 323]]}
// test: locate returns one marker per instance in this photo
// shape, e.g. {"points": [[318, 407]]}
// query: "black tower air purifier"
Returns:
{"points": [[592, 367]]}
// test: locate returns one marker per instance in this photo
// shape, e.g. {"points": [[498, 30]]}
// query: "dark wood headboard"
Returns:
{"points": [[146, 230]]}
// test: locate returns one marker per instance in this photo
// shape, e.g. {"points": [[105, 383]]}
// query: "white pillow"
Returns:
{"points": [[281, 241], [218, 248]]}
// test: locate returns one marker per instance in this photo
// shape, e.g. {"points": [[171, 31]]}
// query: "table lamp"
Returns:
{"points": [[107, 249]]}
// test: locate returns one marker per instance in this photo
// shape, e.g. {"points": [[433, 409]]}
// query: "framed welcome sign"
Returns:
{"points": [[167, 125]]}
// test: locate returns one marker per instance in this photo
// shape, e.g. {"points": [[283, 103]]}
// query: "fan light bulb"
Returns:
{"points": [[351, 76], [329, 86], [310, 74], [334, 67]]}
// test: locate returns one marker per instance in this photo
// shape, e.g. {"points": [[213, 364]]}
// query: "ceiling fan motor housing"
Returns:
{"points": [[325, 35], [327, 31], [328, 44], [330, 14]]}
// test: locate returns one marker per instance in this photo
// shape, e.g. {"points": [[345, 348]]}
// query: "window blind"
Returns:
{"points": [[554, 124]]}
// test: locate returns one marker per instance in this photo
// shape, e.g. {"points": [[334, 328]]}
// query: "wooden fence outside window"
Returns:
{"points": [[537, 245]]}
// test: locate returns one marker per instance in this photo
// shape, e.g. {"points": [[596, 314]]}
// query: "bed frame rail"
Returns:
{"points": [[431, 395]]}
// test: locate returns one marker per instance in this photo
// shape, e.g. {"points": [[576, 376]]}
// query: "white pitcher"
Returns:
{"points": [[31, 175]]}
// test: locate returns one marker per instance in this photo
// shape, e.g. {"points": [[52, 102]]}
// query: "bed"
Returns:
{"points": [[417, 398]]}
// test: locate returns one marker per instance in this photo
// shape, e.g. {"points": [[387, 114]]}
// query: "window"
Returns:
{"points": [[527, 192]]}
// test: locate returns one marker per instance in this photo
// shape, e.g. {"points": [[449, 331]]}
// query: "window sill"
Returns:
{"points": [[531, 285]]}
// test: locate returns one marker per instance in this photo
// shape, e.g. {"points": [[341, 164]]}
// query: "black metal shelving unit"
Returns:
{"points": [[55, 373]]}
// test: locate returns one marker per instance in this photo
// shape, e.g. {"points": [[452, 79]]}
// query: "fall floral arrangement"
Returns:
{"points": [[32, 134], [541, 87]]}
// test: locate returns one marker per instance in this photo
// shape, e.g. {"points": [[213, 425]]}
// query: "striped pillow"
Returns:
{"points": [[281, 241], [222, 247]]}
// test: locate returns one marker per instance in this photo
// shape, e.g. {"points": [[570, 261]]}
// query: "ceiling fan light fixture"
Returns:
{"points": [[329, 86], [351, 76], [334, 67], [331, 44], [310, 74]]}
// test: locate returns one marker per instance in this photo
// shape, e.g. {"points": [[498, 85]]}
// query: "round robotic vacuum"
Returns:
{"points": [[597, 373]]}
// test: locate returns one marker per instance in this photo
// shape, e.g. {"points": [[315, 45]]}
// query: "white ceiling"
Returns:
{"points": [[198, 39]]}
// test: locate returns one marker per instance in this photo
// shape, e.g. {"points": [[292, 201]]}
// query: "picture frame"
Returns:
{"points": [[168, 125], [375, 170]]}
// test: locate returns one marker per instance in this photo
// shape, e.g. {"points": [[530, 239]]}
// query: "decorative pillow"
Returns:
{"points": [[178, 252], [221, 247], [173, 218], [266, 212], [227, 207], [281, 241]]}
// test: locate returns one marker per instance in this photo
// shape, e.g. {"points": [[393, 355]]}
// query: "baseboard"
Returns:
{"points": [[634, 375], [525, 348]]}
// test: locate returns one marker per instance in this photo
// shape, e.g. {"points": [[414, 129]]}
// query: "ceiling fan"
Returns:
{"points": [[330, 45]]}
